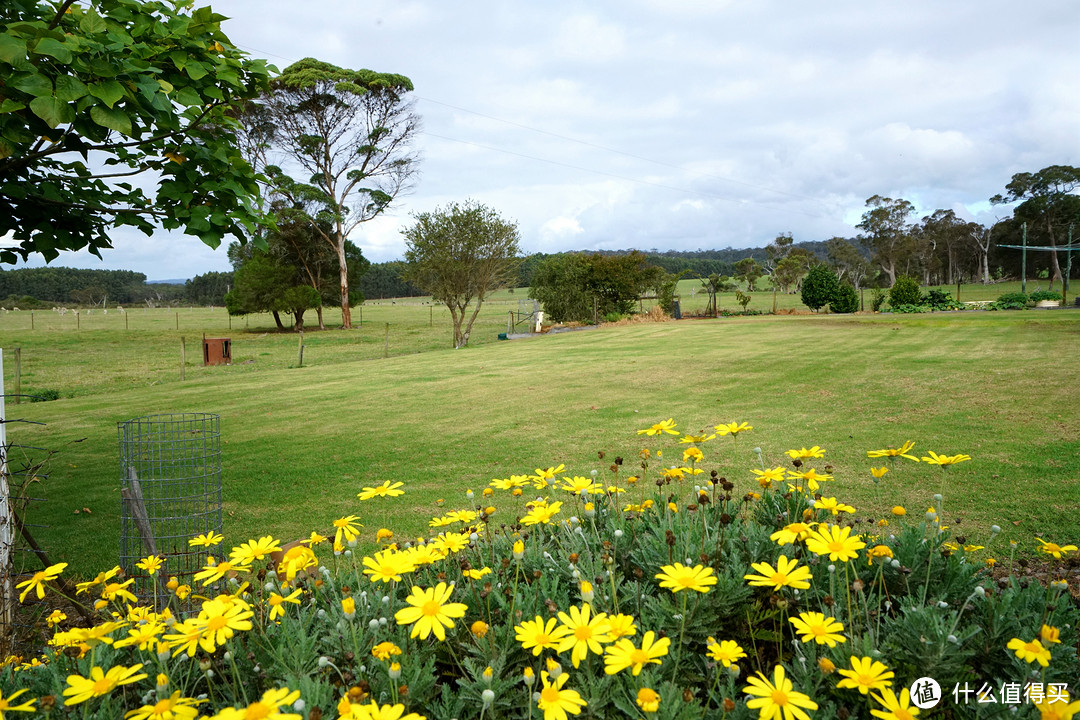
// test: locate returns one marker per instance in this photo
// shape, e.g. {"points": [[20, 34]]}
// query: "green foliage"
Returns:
{"points": [[908, 309], [846, 299], [1040, 295], [208, 288], [348, 133], [819, 288], [1012, 301], [387, 280], [787, 272], [742, 298], [613, 317], [459, 254], [55, 284], [43, 395], [571, 286], [112, 87], [264, 285], [940, 300], [905, 291], [905, 596], [666, 288], [878, 296], [748, 270]]}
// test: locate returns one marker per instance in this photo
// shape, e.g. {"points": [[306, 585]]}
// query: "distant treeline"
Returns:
{"points": [[384, 280], [72, 286]]}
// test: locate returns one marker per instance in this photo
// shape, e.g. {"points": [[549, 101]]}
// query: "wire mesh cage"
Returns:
{"points": [[170, 492]]}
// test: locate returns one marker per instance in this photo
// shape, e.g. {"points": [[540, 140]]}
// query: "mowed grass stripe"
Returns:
{"points": [[298, 444]]}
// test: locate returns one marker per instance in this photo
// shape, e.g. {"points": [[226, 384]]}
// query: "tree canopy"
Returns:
{"points": [[112, 113], [820, 287], [1048, 201], [579, 286], [459, 254], [348, 134], [888, 232]]}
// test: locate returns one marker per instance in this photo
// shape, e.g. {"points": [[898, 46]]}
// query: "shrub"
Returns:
{"points": [[612, 317], [908, 308], [877, 298], [1040, 295], [846, 300], [905, 291], [44, 395], [819, 287], [1011, 301], [466, 623], [939, 300]]}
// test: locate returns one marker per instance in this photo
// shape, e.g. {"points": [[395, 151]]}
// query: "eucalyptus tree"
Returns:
{"points": [[1048, 201], [888, 232], [350, 133]]}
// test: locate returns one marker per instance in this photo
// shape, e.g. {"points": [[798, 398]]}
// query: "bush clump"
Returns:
{"points": [[44, 395], [653, 586], [846, 300], [1040, 295], [1011, 301], [819, 287], [905, 291], [940, 300], [878, 296]]}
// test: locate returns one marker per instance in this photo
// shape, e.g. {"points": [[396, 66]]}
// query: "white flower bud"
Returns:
{"points": [[488, 696], [618, 534], [299, 705]]}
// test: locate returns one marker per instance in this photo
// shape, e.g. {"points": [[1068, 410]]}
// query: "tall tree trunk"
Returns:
{"points": [[318, 311], [346, 311], [277, 319], [890, 270], [1055, 267], [298, 321], [472, 319], [458, 318]]}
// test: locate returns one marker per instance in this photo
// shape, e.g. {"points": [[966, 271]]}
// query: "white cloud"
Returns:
{"points": [[764, 117]]}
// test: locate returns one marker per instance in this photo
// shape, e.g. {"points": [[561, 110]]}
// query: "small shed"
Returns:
{"points": [[217, 351]]}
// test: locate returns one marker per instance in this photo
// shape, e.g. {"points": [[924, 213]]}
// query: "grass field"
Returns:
{"points": [[299, 443], [99, 352]]}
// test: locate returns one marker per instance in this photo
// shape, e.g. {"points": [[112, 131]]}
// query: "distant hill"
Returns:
{"points": [[180, 281]]}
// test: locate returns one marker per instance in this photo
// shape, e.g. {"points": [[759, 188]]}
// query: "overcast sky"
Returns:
{"points": [[678, 124]]}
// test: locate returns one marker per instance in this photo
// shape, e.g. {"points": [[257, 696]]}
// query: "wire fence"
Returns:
{"points": [[170, 493]]}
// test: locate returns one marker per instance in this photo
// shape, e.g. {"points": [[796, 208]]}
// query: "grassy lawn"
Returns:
{"points": [[299, 443]]}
